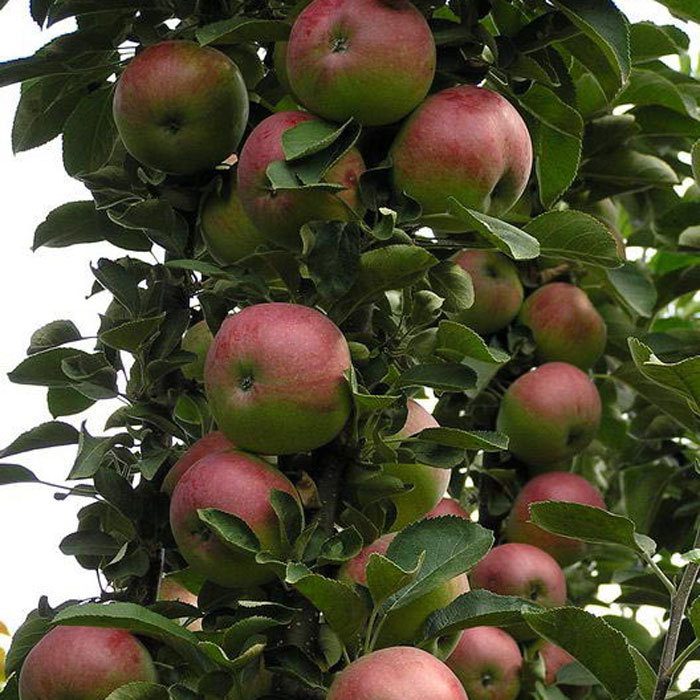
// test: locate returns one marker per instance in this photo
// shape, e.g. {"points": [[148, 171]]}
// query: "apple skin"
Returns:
{"points": [[498, 291], [181, 108], [279, 215], [275, 379], [211, 443], [488, 663], [84, 663], [197, 340], [521, 570], [465, 142], [397, 673], [448, 506], [565, 325], [550, 414], [171, 590], [239, 484], [370, 60], [402, 626], [553, 486], [554, 659]]}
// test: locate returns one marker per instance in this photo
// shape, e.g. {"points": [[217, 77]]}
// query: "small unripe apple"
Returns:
{"points": [[398, 673], [521, 570], [402, 626], [550, 414], [83, 663], [180, 107], [498, 291], [554, 486], [488, 663], [239, 484], [197, 340], [280, 214], [449, 506], [465, 142], [371, 60], [565, 325], [276, 379]]}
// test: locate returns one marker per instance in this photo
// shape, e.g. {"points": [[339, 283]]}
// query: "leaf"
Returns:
{"points": [[633, 288], [598, 647], [73, 223], [456, 342], [52, 335], [453, 283], [65, 401], [159, 221], [16, 474], [446, 376], [91, 375], [385, 577], [650, 41], [89, 543], [43, 436], [140, 691], [25, 638], [684, 9], [695, 154], [647, 87], [310, 137], [506, 237], [131, 336], [44, 368], [629, 170], [117, 279], [341, 546], [237, 30], [466, 440], [92, 451], [232, 531]]}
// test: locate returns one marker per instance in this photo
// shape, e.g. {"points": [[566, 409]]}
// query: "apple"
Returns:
{"points": [[276, 379], [171, 590], [83, 663], [465, 142], [449, 506], [397, 673], [211, 443], [240, 484], [488, 663], [554, 659], [550, 414], [279, 214], [197, 340], [565, 325], [279, 61], [180, 107], [521, 570], [370, 60], [553, 486], [498, 291], [402, 626]]}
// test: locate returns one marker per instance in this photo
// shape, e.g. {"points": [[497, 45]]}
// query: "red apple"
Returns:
{"points": [[448, 506], [180, 107], [197, 340], [498, 291], [565, 325], [83, 663], [239, 484], [554, 659], [488, 663], [276, 379], [280, 214], [554, 486], [171, 590], [465, 142], [521, 570], [550, 414], [371, 60], [398, 673]]}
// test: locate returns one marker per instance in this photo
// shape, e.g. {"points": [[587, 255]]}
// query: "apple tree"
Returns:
{"points": [[400, 342]]}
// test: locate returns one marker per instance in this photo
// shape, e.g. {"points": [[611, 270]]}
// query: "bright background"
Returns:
{"points": [[49, 285]]}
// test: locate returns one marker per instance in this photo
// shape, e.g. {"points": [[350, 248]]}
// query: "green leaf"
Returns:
{"points": [[445, 376], [646, 675], [633, 288], [65, 401], [73, 223], [43, 436], [341, 546], [290, 515], [684, 9], [649, 41], [232, 531], [117, 279], [133, 335], [16, 474], [598, 647], [307, 138], [25, 638], [140, 691], [695, 153], [694, 616], [44, 368], [647, 87], [158, 220], [628, 170], [92, 543], [456, 342], [466, 440], [52, 335], [453, 283], [237, 30], [385, 577], [92, 451], [92, 375]]}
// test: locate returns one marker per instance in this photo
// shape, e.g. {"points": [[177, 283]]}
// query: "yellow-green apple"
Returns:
{"points": [[553, 486], [488, 663], [279, 214], [465, 142], [449, 506], [402, 626], [550, 414], [397, 673], [565, 325], [211, 443], [276, 379], [83, 663], [239, 484], [197, 340], [171, 590], [180, 107], [498, 291], [371, 60], [521, 570]]}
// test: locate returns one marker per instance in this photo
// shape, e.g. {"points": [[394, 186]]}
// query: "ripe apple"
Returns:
{"points": [[180, 107], [404, 625], [448, 506], [83, 663], [554, 486], [239, 484], [275, 379], [171, 590], [465, 142], [397, 673], [279, 214], [521, 570], [197, 340], [498, 291], [565, 325], [554, 659], [211, 443], [488, 663], [550, 414], [371, 60]]}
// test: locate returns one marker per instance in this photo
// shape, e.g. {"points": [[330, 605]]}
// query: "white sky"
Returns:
{"points": [[42, 287]]}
